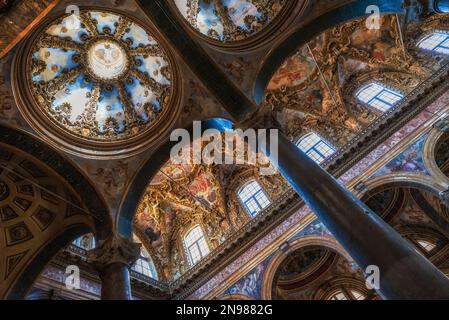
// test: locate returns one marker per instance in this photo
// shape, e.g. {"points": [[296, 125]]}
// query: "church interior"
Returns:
{"points": [[93, 207]]}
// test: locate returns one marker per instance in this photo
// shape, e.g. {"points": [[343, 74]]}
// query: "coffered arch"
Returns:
{"points": [[40, 212], [66, 171], [281, 256]]}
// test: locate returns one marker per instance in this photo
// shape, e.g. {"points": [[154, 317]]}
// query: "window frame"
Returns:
{"points": [[348, 293], [152, 272], [385, 88], [92, 241], [254, 198], [424, 244]]}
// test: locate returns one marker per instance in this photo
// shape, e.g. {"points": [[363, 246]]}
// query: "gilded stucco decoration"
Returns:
{"points": [[315, 89], [417, 215], [308, 271], [107, 80]]}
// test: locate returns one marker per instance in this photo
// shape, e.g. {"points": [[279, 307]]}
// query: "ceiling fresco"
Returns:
{"points": [[314, 89], [302, 263], [183, 195], [112, 80], [230, 20], [107, 80], [442, 155]]}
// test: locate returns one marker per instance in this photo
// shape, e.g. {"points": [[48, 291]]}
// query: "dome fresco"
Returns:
{"points": [[229, 20], [100, 76]]}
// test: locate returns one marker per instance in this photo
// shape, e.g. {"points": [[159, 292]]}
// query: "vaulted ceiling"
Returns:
{"points": [[111, 124], [314, 90]]}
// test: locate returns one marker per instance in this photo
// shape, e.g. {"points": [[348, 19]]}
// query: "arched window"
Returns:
{"points": [[254, 198], [347, 295], [315, 147], [437, 41], [196, 245], [144, 265], [86, 242], [379, 97]]}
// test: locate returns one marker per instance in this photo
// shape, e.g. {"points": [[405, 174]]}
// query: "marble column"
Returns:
{"points": [[404, 273], [113, 260]]}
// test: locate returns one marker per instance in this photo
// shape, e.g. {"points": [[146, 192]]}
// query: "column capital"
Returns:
{"points": [[263, 118], [116, 249]]}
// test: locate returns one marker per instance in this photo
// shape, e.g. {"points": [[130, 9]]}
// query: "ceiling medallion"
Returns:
{"points": [[4, 191], [99, 86]]}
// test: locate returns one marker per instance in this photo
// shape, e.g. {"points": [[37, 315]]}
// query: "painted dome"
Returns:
{"points": [[100, 75], [229, 20]]}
